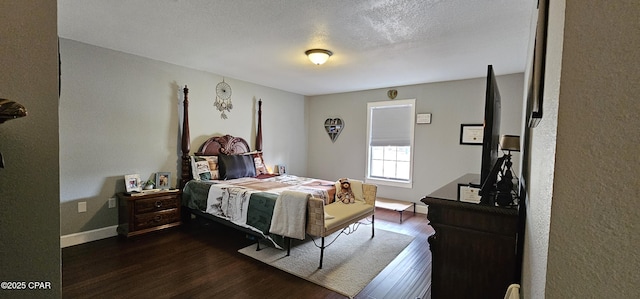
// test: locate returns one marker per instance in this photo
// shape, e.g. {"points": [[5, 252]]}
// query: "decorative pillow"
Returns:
{"points": [[236, 166], [259, 162], [204, 167]]}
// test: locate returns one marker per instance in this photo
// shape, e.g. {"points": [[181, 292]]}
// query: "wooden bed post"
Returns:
{"points": [[186, 141], [259, 131]]}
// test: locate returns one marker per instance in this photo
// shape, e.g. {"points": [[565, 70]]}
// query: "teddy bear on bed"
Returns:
{"points": [[346, 194]]}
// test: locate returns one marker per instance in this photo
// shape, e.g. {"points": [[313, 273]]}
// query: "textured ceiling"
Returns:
{"points": [[376, 43]]}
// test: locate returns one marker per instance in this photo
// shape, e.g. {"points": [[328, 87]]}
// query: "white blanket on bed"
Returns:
{"points": [[229, 202], [289, 214], [232, 203]]}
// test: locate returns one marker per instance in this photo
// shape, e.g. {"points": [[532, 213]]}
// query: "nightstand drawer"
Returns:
{"points": [[148, 220], [157, 203]]}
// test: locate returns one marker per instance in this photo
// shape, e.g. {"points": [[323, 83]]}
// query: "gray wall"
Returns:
{"points": [[29, 218], [121, 114], [594, 239], [438, 156], [582, 232]]}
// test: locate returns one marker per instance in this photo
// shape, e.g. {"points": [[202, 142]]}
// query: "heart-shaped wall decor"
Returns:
{"points": [[334, 127]]}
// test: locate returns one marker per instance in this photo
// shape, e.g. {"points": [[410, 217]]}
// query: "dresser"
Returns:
{"points": [[140, 213], [475, 247]]}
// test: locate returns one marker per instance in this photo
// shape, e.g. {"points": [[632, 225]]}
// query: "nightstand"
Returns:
{"points": [[140, 213]]}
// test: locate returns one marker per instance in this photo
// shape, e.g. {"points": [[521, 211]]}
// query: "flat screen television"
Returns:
{"points": [[491, 133]]}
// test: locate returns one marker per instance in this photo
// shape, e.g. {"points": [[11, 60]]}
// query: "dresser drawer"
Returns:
{"points": [[157, 203], [144, 213], [148, 220]]}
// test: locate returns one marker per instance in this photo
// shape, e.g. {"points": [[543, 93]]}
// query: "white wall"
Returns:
{"points": [[439, 158], [121, 114], [29, 183]]}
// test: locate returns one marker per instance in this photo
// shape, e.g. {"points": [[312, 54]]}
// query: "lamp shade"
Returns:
{"points": [[318, 56], [510, 143]]}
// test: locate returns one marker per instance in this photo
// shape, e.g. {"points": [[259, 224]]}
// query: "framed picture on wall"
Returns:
{"points": [[471, 134], [536, 84]]}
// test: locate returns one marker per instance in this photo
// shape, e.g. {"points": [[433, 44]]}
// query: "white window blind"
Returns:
{"points": [[391, 125]]}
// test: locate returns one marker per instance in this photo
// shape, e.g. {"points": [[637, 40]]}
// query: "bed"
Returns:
{"points": [[225, 181], [227, 188]]}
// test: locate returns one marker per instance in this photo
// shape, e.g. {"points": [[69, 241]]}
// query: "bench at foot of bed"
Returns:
{"points": [[341, 216]]}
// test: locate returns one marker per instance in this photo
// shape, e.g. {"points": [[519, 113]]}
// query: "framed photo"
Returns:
{"points": [[469, 194], [282, 169], [132, 183], [163, 180], [471, 134]]}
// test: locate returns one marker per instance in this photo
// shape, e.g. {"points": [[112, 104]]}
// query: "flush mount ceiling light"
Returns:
{"points": [[318, 56]]}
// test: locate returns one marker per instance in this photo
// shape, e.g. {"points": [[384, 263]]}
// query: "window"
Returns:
{"points": [[390, 142]]}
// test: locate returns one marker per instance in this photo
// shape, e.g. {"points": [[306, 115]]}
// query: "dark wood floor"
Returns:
{"points": [[201, 261]]}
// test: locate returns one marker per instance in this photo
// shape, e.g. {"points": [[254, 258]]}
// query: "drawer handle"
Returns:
{"points": [[157, 218], [158, 204]]}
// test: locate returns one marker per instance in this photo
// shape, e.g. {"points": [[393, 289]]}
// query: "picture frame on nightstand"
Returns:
{"points": [[132, 183], [163, 180]]}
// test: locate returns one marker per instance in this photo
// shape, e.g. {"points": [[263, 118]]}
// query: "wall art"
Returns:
{"points": [[334, 127]]}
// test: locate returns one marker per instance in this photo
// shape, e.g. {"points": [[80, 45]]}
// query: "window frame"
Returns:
{"points": [[385, 181]]}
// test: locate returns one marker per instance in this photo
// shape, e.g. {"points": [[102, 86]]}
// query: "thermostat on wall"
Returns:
{"points": [[423, 118]]}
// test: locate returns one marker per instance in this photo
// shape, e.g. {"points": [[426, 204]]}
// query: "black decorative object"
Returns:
{"points": [[499, 185], [504, 195], [11, 110], [505, 187]]}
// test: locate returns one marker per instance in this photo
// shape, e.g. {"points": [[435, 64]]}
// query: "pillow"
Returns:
{"points": [[356, 187], [259, 162], [204, 167], [236, 166]]}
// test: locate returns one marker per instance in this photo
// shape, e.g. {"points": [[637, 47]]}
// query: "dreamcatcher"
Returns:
{"points": [[223, 98]]}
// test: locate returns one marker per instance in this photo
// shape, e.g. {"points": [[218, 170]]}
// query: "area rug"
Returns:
{"points": [[349, 265]]}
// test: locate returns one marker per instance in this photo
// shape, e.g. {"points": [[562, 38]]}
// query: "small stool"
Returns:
{"points": [[395, 205]]}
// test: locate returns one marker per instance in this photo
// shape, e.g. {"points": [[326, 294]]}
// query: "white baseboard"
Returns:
{"points": [[422, 209], [88, 236]]}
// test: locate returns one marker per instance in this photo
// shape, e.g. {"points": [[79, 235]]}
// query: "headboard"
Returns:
{"points": [[213, 146], [227, 145]]}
